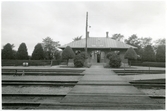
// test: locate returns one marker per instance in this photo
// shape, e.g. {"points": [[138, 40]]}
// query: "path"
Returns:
{"points": [[101, 88]]}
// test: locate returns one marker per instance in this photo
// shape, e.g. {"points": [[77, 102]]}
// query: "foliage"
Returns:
{"points": [[160, 55], [133, 40], [118, 37], [50, 47], [84, 55], [30, 62], [138, 42], [151, 64], [7, 52], [22, 53], [78, 38], [79, 60], [14, 54], [115, 60], [159, 42], [109, 54], [57, 55], [145, 41], [139, 52], [38, 53], [68, 53], [149, 54], [130, 54], [154, 64]]}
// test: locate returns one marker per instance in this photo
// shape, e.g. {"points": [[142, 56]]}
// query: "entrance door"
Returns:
{"points": [[98, 58]]}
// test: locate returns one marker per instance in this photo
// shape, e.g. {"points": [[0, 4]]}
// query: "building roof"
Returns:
{"points": [[98, 42]]}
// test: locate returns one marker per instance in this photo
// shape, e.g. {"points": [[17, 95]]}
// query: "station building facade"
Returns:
{"points": [[98, 47]]}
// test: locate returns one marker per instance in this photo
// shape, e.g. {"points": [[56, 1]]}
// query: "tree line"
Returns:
{"points": [[146, 50], [47, 50]]}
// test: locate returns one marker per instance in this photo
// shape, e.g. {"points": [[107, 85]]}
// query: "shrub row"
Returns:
{"points": [[30, 62], [151, 64]]}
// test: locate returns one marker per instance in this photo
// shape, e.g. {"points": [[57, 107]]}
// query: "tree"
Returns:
{"points": [[50, 47], [130, 54], [133, 40], [159, 42], [149, 54], [7, 52], [160, 55], [145, 41], [38, 53], [22, 53], [139, 52], [57, 55], [118, 37], [67, 54], [14, 54], [78, 38]]}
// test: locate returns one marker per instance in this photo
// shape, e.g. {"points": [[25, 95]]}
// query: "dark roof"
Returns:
{"points": [[98, 42]]}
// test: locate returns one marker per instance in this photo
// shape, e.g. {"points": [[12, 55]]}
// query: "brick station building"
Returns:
{"points": [[98, 47]]}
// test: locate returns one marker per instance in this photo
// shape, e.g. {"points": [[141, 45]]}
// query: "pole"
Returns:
{"points": [[86, 32]]}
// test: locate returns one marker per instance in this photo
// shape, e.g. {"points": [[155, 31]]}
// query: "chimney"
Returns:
{"points": [[107, 35], [88, 34]]}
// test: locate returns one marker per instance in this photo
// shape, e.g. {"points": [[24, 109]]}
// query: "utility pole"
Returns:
{"points": [[86, 31]]}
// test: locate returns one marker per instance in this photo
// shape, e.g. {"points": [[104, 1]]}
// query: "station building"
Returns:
{"points": [[98, 47]]}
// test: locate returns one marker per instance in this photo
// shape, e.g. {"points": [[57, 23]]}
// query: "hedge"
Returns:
{"points": [[30, 62], [154, 64], [151, 64]]}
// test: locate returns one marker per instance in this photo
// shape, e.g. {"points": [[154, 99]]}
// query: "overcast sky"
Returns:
{"points": [[31, 22]]}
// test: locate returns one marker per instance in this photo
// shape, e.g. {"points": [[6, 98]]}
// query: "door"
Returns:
{"points": [[98, 57]]}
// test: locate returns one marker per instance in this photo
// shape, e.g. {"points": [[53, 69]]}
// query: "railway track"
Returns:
{"points": [[53, 100]]}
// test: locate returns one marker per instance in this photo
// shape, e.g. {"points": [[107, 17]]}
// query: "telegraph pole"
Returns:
{"points": [[86, 32]]}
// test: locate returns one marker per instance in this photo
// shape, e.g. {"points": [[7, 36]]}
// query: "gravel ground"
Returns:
{"points": [[35, 90], [27, 99], [45, 78], [153, 91]]}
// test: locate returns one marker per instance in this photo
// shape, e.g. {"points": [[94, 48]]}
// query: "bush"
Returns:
{"points": [[136, 63], [115, 63], [68, 53], [79, 60], [154, 64], [109, 54], [78, 63], [115, 60], [130, 54], [30, 62], [151, 64], [84, 55]]}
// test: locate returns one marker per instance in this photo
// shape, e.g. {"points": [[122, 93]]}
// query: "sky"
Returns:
{"points": [[31, 22]]}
